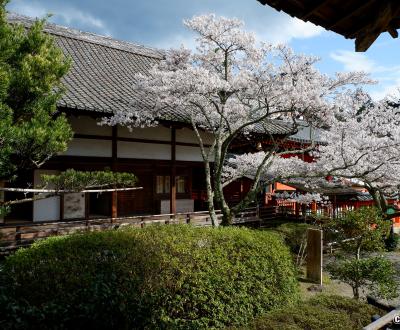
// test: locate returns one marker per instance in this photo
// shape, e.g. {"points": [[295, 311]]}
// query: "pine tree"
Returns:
{"points": [[31, 69]]}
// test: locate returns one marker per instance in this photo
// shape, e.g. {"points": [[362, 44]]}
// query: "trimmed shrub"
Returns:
{"points": [[320, 312], [294, 234], [159, 277]]}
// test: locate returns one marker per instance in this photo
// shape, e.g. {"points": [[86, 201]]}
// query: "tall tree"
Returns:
{"points": [[363, 145], [232, 87], [31, 68]]}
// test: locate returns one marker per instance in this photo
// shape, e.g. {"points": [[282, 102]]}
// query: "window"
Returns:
{"points": [[181, 184], [163, 184]]}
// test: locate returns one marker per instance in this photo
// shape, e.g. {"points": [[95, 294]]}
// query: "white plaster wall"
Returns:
{"points": [[185, 153], [88, 125], [160, 133], [89, 147], [182, 205], [189, 136], [144, 150], [45, 209]]}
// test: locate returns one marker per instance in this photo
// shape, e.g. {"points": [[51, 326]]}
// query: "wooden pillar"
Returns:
{"points": [[114, 156], [62, 207], [334, 207], [314, 207], [172, 187], [87, 205]]}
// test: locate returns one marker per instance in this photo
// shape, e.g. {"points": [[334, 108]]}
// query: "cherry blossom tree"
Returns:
{"points": [[363, 145], [232, 87]]}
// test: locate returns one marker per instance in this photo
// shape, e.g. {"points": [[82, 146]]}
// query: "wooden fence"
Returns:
{"points": [[13, 237]]}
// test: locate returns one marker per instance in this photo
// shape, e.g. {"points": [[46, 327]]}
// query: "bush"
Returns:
{"points": [[159, 277], [294, 234], [320, 312], [376, 274]]}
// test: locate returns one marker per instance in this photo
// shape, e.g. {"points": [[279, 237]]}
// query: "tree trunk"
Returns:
{"points": [[210, 196], [356, 292], [379, 200], [227, 216]]}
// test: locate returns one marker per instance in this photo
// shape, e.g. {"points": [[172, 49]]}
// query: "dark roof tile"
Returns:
{"points": [[103, 70]]}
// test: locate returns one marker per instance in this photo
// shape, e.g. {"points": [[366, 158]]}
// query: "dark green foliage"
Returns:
{"points": [[80, 180], [374, 273], [31, 68], [159, 277], [359, 233], [361, 230], [294, 234], [320, 312]]}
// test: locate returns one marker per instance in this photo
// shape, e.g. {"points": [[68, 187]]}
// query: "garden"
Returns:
{"points": [[186, 277], [223, 276]]}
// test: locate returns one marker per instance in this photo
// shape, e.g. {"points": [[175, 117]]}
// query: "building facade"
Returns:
{"points": [[166, 158]]}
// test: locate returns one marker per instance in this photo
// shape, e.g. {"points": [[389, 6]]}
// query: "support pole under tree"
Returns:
{"points": [[172, 187], [314, 255]]}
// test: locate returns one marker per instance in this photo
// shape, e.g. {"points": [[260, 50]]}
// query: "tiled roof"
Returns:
{"points": [[324, 187], [103, 70]]}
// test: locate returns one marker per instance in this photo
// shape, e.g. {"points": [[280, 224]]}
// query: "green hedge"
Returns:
{"points": [[294, 234], [320, 312], [159, 277]]}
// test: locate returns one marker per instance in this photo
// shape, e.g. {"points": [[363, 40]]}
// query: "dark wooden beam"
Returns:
{"points": [[393, 32], [172, 194], [114, 146], [114, 162], [62, 207], [364, 41], [312, 8], [349, 14], [367, 34], [126, 139], [87, 205]]}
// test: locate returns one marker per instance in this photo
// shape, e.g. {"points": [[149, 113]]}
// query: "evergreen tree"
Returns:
{"points": [[31, 69]]}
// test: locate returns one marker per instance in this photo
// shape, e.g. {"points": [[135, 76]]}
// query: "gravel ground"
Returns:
{"points": [[343, 289]]}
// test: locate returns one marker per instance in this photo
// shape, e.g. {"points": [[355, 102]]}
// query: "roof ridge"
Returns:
{"points": [[89, 37]]}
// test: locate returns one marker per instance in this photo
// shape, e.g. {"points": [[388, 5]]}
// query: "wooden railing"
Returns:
{"points": [[384, 320], [13, 237]]}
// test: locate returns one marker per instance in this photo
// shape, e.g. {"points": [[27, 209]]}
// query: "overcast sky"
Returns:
{"points": [[158, 23]]}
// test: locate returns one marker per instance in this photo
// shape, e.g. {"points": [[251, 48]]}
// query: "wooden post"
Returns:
{"points": [[172, 186], [114, 204], [87, 205], [62, 207], [114, 155], [314, 207], [297, 210], [314, 255], [334, 207]]}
